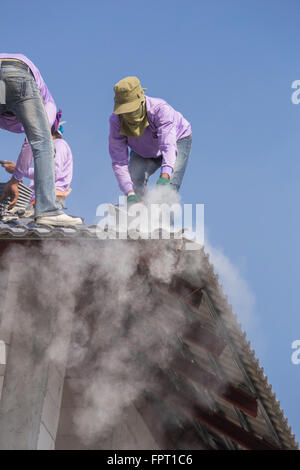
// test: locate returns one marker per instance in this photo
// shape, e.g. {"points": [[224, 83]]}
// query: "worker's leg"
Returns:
{"points": [[61, 200], [140, 170], [183, 152], [23, 98]]}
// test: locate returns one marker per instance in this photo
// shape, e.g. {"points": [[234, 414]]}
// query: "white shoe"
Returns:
{"points": [[61, 219]]}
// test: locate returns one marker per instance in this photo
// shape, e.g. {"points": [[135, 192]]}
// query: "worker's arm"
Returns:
{"points": [[118, 149], [63, 165], [164, 121], [62, 170], [29, 174], [8, 166], [25, 158], [11, 191]]}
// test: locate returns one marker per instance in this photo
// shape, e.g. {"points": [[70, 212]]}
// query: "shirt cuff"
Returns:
{"points": [[127, 187], [166, 169]]}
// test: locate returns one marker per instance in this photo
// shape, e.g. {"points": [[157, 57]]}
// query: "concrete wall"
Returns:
{"points": [[130, 433], [7, 295], [30, 382]]}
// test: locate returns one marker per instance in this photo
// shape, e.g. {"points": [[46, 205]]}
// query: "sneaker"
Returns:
{"points": [[61, 219]]}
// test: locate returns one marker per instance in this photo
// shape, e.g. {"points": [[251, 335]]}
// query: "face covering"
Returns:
{"points": [[134, 124]]}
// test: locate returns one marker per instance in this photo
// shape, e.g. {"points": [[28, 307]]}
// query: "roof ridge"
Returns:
{"points": [[221, 296]]}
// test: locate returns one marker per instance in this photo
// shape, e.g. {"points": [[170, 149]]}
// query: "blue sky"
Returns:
{"points": [[228, 66]]}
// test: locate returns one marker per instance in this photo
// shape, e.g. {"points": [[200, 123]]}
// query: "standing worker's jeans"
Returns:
{"points": [[23, 98], [141, 168]]}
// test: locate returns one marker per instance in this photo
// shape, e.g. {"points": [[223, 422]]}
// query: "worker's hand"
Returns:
{"points": [[132, 199], [164, 179], [11, 190], [9, 167]]}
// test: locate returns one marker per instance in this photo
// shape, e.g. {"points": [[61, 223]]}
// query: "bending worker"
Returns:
{"points": [[158, 136], [63, 165], [26, 105]]}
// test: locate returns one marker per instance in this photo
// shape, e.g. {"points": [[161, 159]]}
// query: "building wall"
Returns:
{"points": [[30, 382], [129, 433]]}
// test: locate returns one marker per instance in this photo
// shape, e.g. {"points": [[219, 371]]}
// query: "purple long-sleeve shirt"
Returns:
{"points": [[12, 124], [63, 167], [166, 126]]}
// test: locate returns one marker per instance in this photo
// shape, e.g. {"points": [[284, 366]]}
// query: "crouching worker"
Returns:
{"points": [[26, 105], [158, 137], [63, 160]]}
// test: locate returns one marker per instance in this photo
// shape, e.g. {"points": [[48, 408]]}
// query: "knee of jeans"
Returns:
{"points": [[37, 134], [139, 181], [41, 143], [138, 177]]}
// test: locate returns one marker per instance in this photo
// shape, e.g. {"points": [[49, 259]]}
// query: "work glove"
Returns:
{"points": [[132, 199], [162, 180]]}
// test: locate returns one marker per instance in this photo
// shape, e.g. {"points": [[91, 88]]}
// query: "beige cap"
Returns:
{"points": [[128, 95]]}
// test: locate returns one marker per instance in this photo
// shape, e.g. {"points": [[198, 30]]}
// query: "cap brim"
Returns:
{"points": [[127, 107]]}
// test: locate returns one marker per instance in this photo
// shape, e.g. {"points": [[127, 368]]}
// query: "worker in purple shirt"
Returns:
{"points": [[63, 166], [26, 105], [158, 136]]}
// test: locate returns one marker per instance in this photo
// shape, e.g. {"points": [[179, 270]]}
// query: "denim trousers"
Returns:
{"points": [[24, 100], [141, 168]]}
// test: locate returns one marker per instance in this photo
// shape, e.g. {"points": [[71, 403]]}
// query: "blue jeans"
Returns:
{"points": [[141, 168], [23, 98]]}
